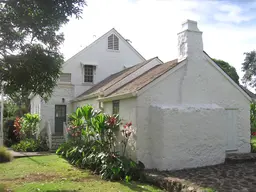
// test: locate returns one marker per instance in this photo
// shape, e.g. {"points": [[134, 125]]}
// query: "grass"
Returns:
{"points": [[52, 174]]}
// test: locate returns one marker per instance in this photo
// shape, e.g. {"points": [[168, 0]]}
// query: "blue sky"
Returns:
{"points": [[229, 27]]}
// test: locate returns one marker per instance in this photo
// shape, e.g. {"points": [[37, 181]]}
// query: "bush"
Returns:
{"points": [[30, 145], [5, 155], [92, 145], [29, 125]]}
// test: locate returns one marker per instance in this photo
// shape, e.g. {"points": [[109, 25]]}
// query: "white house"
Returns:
{"points": [[186, 112], [107, 55]]}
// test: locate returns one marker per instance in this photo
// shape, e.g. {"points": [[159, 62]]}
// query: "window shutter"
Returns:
{"points": [[110, 41], [116, 43], [113, 42], [65, 77]]}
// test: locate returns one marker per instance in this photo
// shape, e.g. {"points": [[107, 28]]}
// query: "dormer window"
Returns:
{"points": [[88, 73], [113, 42]]}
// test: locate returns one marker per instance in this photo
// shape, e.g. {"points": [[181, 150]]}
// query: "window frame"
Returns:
{"points": [[88, 76], [115, 107]]}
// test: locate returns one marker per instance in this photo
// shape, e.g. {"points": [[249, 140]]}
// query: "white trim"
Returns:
{"points": [[227, 77]]}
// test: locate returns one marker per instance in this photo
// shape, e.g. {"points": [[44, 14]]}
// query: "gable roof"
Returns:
{"points": [[112, 80], [146, 78], [242, 89], [113, 30]]}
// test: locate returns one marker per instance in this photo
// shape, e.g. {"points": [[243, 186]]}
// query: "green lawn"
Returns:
{"points": [[52, 174]]}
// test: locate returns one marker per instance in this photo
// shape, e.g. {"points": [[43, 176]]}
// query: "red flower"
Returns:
{"points": [[129, 124], [111, 121]]}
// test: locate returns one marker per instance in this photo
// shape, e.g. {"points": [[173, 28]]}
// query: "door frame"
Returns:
{"points": [[63, 105]]}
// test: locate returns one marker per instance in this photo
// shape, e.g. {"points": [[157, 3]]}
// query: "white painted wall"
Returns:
{"points": [[35, 105], [196, 81], [94, 102], [127, 112], [48, 108], [187, 136], [107, 61]]}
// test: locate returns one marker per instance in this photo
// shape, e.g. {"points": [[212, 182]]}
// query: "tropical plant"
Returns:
{"points": [[93, 143], [30, 145], [253, 115], [29, 125]]}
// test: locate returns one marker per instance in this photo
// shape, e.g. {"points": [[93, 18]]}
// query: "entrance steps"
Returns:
{"points": [[57, 140]]}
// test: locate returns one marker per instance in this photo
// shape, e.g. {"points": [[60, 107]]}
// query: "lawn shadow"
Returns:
{"points": [[135, 186], [37, 162]]}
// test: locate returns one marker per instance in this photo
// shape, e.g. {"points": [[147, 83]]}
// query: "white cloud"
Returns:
{"points": [[152, 26]]}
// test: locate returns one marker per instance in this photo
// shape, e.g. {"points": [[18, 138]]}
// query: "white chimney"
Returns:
{"points": [[189, 40]]}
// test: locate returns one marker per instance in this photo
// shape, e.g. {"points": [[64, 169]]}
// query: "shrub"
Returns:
{"points": [[30, 145], [5, 155], [92, 145], [29, 125]]}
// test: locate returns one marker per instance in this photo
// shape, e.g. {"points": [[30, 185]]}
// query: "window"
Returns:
{"points": [[65, 77], [88, 73], [115, 107], [113, 42]]}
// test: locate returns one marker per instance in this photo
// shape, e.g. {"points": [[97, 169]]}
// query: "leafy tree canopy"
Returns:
{"points": [[29, 41], [230, 70], [249, 67]]}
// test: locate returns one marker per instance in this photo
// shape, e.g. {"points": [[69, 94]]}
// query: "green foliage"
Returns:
{"points": [[29, 125], [5, 155], [92, 145], [253, 115], [231, 71], [30, 145], [29, 46], [249, 68], [253, 144]]}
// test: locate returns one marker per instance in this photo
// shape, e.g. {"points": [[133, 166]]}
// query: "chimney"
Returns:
{"points": [[189, 40]]}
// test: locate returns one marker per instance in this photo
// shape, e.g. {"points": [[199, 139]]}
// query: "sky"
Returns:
{"points": [[228, 26]]}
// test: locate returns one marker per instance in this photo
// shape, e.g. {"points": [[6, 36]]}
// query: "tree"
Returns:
{"points": [[30, 60], [231, 71], [249, 67]]}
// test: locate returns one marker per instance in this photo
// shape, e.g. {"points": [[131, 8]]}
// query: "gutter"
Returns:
{"points": [[118, 97]]}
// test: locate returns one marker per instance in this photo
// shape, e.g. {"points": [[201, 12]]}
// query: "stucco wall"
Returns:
{"points": [[186, 136], [127, 112], [196, 82], [106, 61]]}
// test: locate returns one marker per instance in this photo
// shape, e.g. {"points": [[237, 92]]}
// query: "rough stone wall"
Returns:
{"points": [[187, 136]]}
